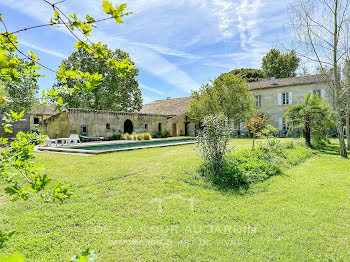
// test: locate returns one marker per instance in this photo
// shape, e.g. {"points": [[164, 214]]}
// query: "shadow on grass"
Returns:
{"points": [[196, 178], [329, 149]]}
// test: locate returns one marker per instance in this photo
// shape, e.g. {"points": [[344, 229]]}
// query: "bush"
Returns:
{"points": [[116, 137], [213, 141], [129, 136], [147, 136], [247, 167], [140, 137], [165, 134]]}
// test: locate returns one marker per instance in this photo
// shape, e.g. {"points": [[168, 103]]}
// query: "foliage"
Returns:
{"points": [[217, 97], [256, 124], [314, 116], [241, 169], [147, 136], [213, 140], [20, 96], [280, 65], [248, 74], [115, 137], [5, 236], [116, 92], [12, 258], [135, 136], [19, 171], [321, 31], [165, 134], [37, 130], [18, 69], [270, 133], [86, 256]]}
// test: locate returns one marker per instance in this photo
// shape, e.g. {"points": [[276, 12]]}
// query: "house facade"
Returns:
{"points": [[274, 96], [168, 117]]}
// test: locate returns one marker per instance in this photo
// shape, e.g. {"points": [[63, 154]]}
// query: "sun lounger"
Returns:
{"points": [[75, 138], [87, 138], [48, 141]]}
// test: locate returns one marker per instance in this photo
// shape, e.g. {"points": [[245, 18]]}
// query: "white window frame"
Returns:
{"points": [[258, 100], [285, 99]]}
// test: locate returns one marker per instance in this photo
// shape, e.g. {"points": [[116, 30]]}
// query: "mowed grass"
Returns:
{"points": [[302, 215]]}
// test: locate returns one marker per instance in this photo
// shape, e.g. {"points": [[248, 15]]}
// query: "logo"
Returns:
{"points": [[161, 200]]}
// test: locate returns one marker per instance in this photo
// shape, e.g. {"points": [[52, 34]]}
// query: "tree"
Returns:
{"points": [[228, 95], [213, 141], [346, 90], [116, 93], [21, 95], [18, 171], [248, 74], [322, 33], [314, 116], [280, 65], [256, 124]]}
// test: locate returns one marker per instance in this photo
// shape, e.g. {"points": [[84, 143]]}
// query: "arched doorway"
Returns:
{"points": [[128, 127]]}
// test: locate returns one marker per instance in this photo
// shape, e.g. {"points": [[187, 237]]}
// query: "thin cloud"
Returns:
{"points": [[151, 89], [44, 50]]}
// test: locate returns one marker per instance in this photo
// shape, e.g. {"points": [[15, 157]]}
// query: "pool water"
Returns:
{"points": [[114, 146]]}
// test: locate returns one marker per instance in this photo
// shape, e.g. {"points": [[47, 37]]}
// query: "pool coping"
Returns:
{"points": [[99, 152]]}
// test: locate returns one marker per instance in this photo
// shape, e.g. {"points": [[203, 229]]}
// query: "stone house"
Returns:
{"points": [[169, 116], [101, 123], [155, 118], [178, 122], [274, 96]]}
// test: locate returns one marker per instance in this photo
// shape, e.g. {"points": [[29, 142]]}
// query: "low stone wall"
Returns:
{"points": [[99, 123]]}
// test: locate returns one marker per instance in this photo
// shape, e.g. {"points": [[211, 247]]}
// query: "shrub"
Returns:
{"points": [[37, 130], [116, 137], [247, 167], [140, 137], [158, 135], [128, 136], [124, 137], [165, 134], [147, 136], [213, 141], [134, 136]]}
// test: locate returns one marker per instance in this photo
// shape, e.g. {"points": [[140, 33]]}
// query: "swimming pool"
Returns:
{"points": [[111, 147]]}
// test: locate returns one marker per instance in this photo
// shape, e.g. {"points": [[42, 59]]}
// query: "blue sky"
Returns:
{"points": [[177, 45]]}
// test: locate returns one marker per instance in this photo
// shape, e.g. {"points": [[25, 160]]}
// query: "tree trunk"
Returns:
{"points": [[307, 132], [348, 124], [337, 86]]}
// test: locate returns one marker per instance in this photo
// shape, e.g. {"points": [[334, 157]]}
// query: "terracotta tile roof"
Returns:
{"points": [[168, 107], [178, 106], [291, 81], [44, 109]]}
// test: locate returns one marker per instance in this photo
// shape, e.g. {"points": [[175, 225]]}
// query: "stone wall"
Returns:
{"points": [[270, 100], [177, 126], [21, 125], [101, 123]]}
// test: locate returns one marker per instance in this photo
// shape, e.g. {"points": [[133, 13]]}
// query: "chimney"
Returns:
{"points": [[272, 81]]}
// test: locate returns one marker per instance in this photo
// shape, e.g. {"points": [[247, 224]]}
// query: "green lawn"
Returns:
{"points": [[303, 215]]}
